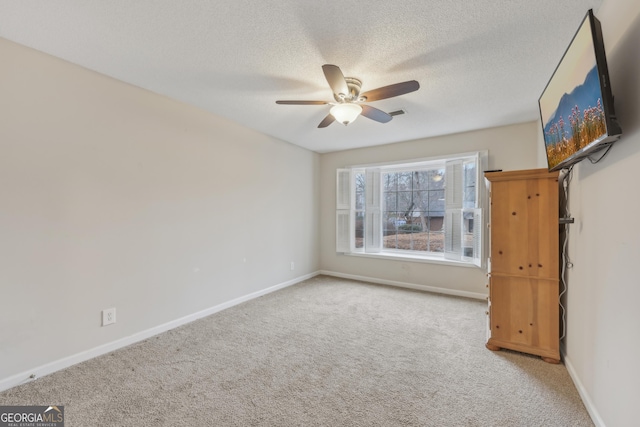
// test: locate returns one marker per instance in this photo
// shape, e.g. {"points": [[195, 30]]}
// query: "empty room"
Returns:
{"points": [[340, 213]]}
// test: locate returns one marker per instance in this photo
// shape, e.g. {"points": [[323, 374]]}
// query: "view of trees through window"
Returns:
{"points": [[413, 209]]}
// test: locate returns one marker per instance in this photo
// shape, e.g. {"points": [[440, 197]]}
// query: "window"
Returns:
{"points": [[428, 209], [413, 209]]}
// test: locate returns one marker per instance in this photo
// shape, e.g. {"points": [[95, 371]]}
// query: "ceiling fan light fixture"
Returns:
{"points": [[346, 113]]}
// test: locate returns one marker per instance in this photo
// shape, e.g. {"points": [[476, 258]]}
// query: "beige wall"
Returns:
{"points": [[510, 148], [112, 196], [603, 338]]}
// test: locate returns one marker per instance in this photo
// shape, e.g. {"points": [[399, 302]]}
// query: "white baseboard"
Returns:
{"points": [[63, 363], [434, 289], [586, 399]]}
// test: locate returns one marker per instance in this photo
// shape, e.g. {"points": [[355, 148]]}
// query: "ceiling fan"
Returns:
{"points": [[349, 101]]}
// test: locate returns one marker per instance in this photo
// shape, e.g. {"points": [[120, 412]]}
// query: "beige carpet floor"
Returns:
{"points": [[325, 352]]}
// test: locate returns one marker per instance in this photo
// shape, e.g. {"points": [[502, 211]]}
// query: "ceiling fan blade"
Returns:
{"points": [[301, 102], [391, 90], [335, 78], [375, 114], [327, 121]]}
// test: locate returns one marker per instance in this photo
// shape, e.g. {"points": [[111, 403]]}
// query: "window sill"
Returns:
{"points": [[412, 258]]}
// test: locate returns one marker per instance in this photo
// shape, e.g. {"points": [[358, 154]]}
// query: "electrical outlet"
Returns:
{"points": [[108, 316], [293, 265]]}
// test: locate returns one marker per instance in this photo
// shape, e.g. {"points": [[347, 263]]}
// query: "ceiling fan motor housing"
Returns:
{"points": [[354, 86]]}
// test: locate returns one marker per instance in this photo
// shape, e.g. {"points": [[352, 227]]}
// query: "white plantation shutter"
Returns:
{"points": [[478, 229], [343, 210], [480, 186], [372, 188], [453, 209], [343, 234], [453, 234], [343, 189], [481, 235], [373, 214], [454, 185]]}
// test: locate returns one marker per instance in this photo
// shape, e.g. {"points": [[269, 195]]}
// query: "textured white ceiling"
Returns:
{"points": [[480, 63]]}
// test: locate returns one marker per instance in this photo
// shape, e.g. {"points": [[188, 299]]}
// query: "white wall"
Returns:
{"points": [[510, 148], [603, 336], [112, 196]]}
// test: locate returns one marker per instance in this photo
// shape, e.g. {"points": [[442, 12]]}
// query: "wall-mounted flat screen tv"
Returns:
{"points": [[576, 106]]}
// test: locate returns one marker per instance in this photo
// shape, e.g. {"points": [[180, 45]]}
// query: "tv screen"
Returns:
{"points": [[576, 106]]}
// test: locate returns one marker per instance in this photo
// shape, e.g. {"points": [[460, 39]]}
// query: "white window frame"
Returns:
{"points": [[454, 252]]}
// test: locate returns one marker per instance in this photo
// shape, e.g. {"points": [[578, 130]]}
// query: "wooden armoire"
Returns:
{"points": [[524, 273]]}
